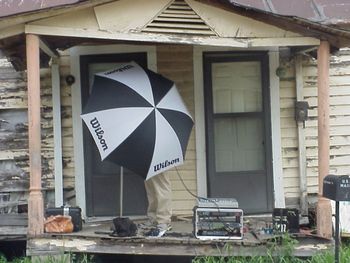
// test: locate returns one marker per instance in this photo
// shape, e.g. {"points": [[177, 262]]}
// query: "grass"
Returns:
{"points": [[283, 248], [325, 257], [64, 258]]}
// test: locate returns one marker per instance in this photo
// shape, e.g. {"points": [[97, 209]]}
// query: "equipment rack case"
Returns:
{"points": [[217, 223]]}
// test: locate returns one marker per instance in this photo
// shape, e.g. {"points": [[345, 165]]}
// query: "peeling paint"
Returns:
{"points": [[81, 245], [313, 246]]}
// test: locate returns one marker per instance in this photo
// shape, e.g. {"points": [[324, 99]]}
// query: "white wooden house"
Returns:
{"points": [[240, 71]]}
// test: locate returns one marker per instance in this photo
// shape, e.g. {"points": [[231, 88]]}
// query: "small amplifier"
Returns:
{"points": [[217, 202], [218, 223]]}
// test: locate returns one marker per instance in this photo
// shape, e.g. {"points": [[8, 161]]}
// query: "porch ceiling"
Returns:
{"points": [[14, 47]]}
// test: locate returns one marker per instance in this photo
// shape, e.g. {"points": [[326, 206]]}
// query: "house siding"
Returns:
{"points": [[175, 62], [339, 122], [289, 136], [14, 156], [339, 82]]}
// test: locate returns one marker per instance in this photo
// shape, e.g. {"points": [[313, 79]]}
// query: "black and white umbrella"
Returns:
{"points": [[138, 119]]}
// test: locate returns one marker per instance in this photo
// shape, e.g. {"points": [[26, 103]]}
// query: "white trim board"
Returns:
{"points": [[170, 39], [201, 172], [57, 134], [75, 54], [276, 130]]}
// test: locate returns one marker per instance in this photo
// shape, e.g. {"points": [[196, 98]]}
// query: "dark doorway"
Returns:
{"points": [[103, 180], [238, 128]]}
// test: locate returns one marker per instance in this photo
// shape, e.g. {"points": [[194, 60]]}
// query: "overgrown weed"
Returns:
{"points": [[63, 258], [279, 251]]}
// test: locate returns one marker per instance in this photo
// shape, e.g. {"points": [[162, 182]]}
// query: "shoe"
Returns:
{"points": [[149, 224], [158, 231]]}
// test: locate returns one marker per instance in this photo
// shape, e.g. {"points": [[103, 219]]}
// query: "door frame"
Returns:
{"points": [[273, 54], [75, 53]]}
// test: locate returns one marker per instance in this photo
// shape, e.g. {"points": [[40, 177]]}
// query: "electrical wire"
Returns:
{"points": [[224, 223]]}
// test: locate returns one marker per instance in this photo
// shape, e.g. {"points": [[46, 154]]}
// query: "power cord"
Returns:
{"points": [[224, 223]]}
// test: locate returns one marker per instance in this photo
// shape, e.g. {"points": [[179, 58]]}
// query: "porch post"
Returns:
{"points": [[324, 210], [35, 201]]}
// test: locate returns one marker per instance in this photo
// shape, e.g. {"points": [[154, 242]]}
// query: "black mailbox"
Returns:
{"points": [[337, 187]]}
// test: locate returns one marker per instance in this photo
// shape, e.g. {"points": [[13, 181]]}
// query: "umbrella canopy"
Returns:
{"points": [[138, 119]]}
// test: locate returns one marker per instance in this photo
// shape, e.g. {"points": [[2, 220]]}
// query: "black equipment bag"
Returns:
{"points": [[123, 227]]}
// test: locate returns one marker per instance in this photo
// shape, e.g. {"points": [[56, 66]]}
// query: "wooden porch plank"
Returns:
{"points": [[13, 226], [163, 246], [7, 231], [105, 246], [13, 220], [95, 238]]}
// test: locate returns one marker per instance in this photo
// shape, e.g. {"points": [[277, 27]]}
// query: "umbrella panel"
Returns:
{"points": [[167, 152], [137, 149], [111, 127], [108, 94], [134, 77], [160, 85], [181, 124]]}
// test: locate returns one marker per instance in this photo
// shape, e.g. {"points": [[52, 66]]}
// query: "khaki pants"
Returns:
{"points": [[158, 190]]}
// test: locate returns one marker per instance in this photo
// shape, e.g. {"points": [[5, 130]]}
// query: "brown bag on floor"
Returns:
{"points": [[58, 224]]}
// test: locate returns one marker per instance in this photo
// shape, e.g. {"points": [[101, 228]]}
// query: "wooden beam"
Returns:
{"points": [[283, 41], [35, 200], [162, 38], [47, 50], [142, 37], [301, 138], [11, 31], [324, 210]]}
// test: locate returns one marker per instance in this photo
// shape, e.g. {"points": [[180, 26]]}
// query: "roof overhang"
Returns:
{"points": [[13, 29], [335, 34]]}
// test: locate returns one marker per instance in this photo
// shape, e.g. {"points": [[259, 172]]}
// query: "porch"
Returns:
{"points": [[52, 33], [96, 238]]}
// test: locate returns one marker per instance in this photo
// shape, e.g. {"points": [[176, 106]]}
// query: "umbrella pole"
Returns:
{"points": [[121, 191]]}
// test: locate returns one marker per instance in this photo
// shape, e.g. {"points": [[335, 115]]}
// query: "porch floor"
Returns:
{"points": [[180, 241]]}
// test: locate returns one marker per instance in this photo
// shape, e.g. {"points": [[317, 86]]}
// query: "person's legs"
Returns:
{"points": [[152, 202], [158, 189], [162, 190]]}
